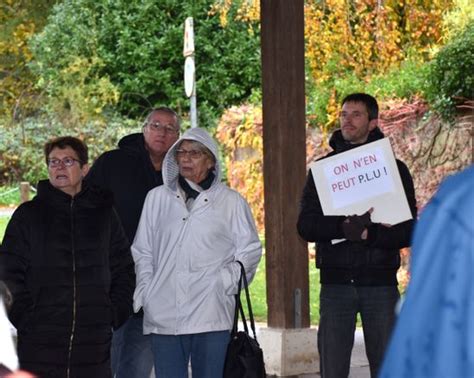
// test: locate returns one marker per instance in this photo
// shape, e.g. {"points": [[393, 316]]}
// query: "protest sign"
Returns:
{"points": [[354, 181]]}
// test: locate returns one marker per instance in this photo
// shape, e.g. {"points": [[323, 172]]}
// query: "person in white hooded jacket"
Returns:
{"points": [[192, 231]]}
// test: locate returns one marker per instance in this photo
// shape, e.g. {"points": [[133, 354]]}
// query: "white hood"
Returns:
{"points": [[170, 168]]}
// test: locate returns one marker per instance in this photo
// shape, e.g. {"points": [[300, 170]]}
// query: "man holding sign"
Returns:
{"points": [[358, 274]]}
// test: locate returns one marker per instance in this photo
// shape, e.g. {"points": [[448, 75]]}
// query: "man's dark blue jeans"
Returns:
{"points": [[339, 305]]}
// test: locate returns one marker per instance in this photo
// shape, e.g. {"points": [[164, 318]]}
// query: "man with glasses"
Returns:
{"points": [[130, 172], [67, 262], [358, 275]]}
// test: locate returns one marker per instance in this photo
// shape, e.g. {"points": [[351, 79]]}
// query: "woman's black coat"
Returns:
{"points": [[67, 262]]}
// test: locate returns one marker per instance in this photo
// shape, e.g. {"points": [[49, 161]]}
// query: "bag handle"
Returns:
{"points": [[239, 307]]}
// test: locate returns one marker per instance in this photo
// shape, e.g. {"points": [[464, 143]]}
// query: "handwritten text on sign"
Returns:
{"points": [[361, 176]]}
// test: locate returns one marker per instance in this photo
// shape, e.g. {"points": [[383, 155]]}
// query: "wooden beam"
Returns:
{"points": [[24, 191], [283, 76]]}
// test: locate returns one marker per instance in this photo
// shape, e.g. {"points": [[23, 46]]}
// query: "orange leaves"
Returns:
{"points": [[247, 10], [16, 83], [240, 133], [324, 31], [368, 36], [332, 109], [221, 7], [348, 42]]}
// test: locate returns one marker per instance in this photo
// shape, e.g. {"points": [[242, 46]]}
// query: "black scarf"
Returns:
{"points": [[190, 192]]}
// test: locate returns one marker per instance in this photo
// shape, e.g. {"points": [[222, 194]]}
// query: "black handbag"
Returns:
{"points": [[244, 357]]}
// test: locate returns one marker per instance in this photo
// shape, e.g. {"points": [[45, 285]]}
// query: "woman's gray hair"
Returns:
{"points": [[198, 146]]}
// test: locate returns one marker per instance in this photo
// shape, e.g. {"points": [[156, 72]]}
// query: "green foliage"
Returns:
{"points": [[458, 18], [314, 287], [451, 76], [3, 225], [21, 151], [405, 81], [350, 44], [19, 20], [258, 293], [21, 145], [316, 103], [9, 195], [136, 47], [79, 94]]}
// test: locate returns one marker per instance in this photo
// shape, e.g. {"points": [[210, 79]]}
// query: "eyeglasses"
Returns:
{"points": [[167, 129], [355, 115], [67, 162], [193, 154]]}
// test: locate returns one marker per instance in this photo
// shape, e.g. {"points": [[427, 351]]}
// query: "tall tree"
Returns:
{"points": [[369, 36], [135, 46], [348, 42], [19, 21]]}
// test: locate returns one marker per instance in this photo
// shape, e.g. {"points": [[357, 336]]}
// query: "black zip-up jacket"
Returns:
{"points": [[68, 265], [129, 173], [373, 262]]}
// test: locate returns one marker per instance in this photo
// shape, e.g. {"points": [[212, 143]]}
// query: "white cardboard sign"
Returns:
{"points": [[354, 181]]}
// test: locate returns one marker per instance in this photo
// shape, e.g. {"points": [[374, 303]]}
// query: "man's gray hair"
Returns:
{"points": [[164, 109]]}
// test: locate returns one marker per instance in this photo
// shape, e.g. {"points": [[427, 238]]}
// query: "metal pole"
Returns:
{"points": [[298, 308], [193, 107]]}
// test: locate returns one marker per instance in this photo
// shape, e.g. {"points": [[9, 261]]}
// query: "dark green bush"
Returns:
{"points": [[21, 145], [137, 47], [404, 81], [451, 74], [9, 197]]}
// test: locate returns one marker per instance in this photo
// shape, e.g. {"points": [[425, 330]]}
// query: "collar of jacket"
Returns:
{"points": [[134, 145], [89, 196], [204, 184], [338, 143]]}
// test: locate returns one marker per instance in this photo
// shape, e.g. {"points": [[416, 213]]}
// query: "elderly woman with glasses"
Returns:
{"points": [[67, 262], [192, 231]]}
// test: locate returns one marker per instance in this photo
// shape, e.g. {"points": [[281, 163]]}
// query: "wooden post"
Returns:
{"points": [[24, 191], [284, 135]]}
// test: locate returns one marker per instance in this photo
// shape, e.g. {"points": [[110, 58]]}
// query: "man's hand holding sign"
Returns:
{"points": [[355, 226]]}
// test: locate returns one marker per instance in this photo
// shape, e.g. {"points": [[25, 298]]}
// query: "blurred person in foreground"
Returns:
{"points": [[192, 231], [434, 334], [8, 357], [130, 171], [359, 274], [67, 262]]}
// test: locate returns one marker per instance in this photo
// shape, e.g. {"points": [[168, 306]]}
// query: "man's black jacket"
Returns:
{"points": [[373, 262], [130, 175]]}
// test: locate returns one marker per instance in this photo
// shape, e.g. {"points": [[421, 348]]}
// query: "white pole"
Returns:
{"points": [[193, 108], [190, 69]]}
